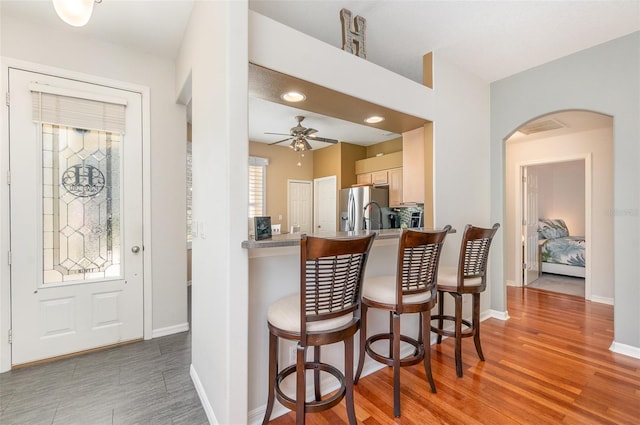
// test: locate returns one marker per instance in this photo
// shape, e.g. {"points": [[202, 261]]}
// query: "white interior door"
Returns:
{"points": [[300, 198], [530, 225], [325, 204], [76, 216]]}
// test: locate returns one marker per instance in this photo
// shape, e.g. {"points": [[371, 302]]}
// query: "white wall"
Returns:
{"points": [[64, 50], [461, 160], [212, 71], [560, 200], [601, 79], [561, 193]]}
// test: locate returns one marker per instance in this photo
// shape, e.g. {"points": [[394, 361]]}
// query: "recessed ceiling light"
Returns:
{"points": [[293, 96], [373, 119]]}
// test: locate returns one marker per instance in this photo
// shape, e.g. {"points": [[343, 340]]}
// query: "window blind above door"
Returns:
{"points": [[54, 105]]}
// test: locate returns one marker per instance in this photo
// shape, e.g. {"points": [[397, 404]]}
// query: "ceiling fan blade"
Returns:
{"points": [[280, 141], [309, 131], [307, 146], [323, 139], [279, 134]]}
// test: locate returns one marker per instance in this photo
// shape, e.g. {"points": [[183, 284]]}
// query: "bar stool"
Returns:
{"points": [[327, 310], [410, 290], [470, 277]]}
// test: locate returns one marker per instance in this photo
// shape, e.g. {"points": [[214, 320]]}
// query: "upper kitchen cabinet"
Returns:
{"points": [[413, 166]]}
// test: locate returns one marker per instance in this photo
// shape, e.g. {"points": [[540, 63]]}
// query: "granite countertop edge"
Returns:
{"points": [[294, 239]]}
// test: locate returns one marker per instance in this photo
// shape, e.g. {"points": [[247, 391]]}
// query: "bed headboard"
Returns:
{"points": [[552, 228]]}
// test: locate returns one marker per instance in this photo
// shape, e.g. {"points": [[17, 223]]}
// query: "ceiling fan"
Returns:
{"points": [[300, 137]]}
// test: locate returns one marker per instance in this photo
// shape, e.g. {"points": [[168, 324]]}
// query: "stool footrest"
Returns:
{"points": [[315, 405], [469, 331], [415, 358]]}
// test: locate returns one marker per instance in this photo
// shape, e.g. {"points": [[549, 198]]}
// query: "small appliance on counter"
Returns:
{"points": [[417, 219]]}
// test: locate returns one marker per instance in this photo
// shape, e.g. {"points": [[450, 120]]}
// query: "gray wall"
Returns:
{"points": [[604, 79]]}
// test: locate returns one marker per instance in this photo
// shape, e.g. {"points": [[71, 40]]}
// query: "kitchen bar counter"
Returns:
{"points": [[274, 273], [293, 239]]}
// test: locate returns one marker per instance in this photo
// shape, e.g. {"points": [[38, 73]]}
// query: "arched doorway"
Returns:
{"points": [[583, 139]]}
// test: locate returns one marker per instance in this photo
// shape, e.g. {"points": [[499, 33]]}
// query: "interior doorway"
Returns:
{"points": [[555, 139]]}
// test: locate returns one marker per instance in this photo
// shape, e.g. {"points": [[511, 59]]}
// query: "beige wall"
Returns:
{"points": [[561, 193], [282, 167], [349, 155], [326, 162], [393, 145]]}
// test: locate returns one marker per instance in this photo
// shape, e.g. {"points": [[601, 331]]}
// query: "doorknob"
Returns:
{"points": [[135, 249]]}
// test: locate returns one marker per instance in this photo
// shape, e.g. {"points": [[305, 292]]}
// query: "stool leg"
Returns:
{"points": [[396, 364], [316, 372], [426, 345], [348, 376], [458, 331], [363, 340], [391, 332], [273, 370], [476, 325], [301, 385], [440, 313]]}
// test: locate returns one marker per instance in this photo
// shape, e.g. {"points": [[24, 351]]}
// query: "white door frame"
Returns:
{"points": [[588, 192], [5, 225]]}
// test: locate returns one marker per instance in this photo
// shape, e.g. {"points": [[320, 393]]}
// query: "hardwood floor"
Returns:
{"points": [[549, 363]]}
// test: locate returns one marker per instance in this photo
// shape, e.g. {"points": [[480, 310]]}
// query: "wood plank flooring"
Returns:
{"points": [[548, 364]]}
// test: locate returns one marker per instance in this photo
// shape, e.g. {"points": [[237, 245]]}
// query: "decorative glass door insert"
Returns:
{"points": [[81, 197]]}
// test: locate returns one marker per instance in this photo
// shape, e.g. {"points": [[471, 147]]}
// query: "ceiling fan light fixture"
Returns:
{"points": [[374, 119], [293, 96], [74, 12]]}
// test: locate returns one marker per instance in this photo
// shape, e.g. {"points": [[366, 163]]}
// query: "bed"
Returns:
{"points": [[560, 253]]}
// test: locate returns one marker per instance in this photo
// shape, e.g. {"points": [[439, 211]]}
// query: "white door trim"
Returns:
{"points": [[588, 193], [5, 281]]}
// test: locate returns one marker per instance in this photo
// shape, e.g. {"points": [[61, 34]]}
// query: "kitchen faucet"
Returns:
{"points": [[364, 220]]}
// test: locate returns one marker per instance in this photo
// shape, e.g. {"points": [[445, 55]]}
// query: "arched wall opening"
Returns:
{"points": [[572, 154]]}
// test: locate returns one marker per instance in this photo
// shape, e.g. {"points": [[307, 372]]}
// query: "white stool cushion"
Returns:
{"points": [[285, 314], [448, 276], [382, 289]]}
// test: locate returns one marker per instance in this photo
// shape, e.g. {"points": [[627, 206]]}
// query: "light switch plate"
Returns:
{"points": [[203, 233]]}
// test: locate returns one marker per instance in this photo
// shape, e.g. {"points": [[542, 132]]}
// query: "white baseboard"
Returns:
{"points": [[601, 300], [500, 315], [512, 283], [627, 350], [203, 397], [170, 330]]}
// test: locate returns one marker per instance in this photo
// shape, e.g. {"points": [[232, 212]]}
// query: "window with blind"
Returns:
{"points": [[257, 186]]}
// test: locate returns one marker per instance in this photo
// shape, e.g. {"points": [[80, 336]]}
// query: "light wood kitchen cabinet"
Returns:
{"points": [[364, 178], [413, 166], [395, 187], [379, 177]]}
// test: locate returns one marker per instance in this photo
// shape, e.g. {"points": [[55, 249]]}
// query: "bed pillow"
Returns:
{"points": [[552, 228]]}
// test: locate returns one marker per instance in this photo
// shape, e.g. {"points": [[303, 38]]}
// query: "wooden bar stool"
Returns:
{"points": [[327, 310], [411, 290], [470, 277]]}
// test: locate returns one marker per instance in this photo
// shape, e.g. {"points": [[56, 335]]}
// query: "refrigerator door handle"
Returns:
{"points": [[351, 211]]}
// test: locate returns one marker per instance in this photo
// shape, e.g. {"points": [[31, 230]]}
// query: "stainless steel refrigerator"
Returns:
{"points": [[361, 207]]}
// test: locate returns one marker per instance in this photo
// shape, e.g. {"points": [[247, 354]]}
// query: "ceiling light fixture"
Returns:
{"points": [[374, 119], [293, 96], [75, 12]]}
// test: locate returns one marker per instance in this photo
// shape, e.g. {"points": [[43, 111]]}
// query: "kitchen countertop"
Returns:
{"points": [[293, 239]]}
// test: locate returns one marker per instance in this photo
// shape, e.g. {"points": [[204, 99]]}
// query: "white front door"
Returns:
{"points": [[76, 216], [325, 204], [299, 194], [530, 225]]}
